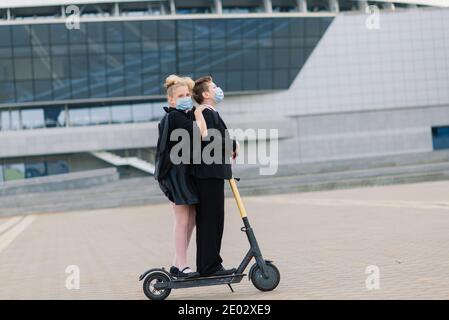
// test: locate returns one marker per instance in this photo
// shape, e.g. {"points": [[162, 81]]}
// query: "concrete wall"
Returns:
{"points": [[106, 137], [368, 134], [77, 139]]}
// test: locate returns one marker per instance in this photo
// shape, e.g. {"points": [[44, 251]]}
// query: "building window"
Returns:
{"points": [[33, 118], [4, 120], [15, 120], [54, 117], [193, 10], [132, 58], [57, 167], [79, 117], [440, 137], [14, 171], [142, 112], [121, 114], [100, 115], [35, 169]]}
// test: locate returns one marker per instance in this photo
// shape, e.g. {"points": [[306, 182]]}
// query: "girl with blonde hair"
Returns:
{"points": [[175, 180]]}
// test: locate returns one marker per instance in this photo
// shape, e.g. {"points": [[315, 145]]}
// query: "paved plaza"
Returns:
{"points": [[322, 242]]}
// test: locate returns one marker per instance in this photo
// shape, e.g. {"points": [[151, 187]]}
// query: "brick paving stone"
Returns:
{"points": [[322, 243]]}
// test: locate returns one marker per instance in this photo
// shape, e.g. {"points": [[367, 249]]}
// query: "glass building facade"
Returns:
{"points": [[440, 137], [25, 168], [110, 59], [112, 72], [30, 167], [75, 116]]}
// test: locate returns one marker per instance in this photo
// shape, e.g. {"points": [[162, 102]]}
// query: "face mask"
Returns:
{"points": [[183, 104], [219, 95]]}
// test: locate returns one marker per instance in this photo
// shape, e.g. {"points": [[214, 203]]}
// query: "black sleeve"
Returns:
{"points": [[181, 121], [226, 134], [209, 118]]}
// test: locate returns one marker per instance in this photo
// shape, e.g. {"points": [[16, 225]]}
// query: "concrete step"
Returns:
{"points": [[140, 191], [393, 161], [422, 169], [66, 181], [145, 187], [264, 189], [123, 201]]}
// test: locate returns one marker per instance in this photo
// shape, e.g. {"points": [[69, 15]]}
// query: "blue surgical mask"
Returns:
{"points": [[219, 95], [184, 104]]}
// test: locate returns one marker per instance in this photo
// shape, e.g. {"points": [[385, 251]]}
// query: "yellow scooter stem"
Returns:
{"points": [[236, 193]]}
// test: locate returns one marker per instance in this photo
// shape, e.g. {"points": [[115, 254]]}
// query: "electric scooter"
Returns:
{"points": [[264, 275]]}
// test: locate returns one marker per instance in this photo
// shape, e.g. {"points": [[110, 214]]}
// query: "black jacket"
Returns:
{"points": [[173, 119], [221, 170], [175, 180], [162, 159]]}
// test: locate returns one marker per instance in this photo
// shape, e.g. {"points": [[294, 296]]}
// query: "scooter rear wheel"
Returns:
{"points": [[269, 283], [148, 286]]}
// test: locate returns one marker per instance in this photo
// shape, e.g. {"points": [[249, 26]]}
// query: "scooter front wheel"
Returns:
{"points": [[148, 286], [270, 282]]}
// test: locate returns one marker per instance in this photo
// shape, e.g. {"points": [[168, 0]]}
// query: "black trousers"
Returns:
{"points": [[209, 224]]}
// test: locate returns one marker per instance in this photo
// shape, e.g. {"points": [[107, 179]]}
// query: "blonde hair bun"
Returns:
{"points": [[172, 80], [189, 82]]}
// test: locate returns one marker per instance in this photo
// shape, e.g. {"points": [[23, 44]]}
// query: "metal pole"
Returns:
{"points": [[363, 5], [334, 6], [302, 5], [172, 7], [218, 6], [268, 6]]}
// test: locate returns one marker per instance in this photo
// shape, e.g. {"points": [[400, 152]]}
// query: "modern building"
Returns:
{"points": [[81, 86]]}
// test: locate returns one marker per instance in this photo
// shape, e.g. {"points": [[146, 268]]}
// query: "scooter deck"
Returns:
{"points": [[200, 281]]}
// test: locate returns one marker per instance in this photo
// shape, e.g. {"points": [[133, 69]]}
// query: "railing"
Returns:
{"points": [[119, 161], [18, 11]]}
